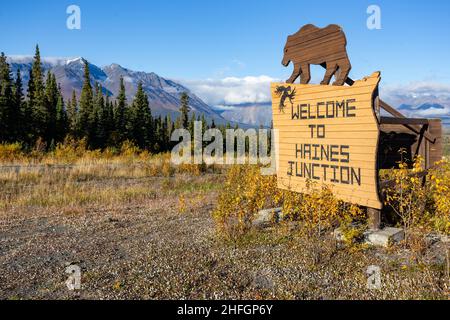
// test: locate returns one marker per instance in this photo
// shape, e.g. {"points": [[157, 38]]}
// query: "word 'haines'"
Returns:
{"points": [[320, 140]]}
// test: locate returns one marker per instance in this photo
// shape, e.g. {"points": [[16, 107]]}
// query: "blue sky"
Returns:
{"points": [[214, 39], [199, 39]]}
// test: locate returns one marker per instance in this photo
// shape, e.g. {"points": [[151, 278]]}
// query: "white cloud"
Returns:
{"points": [[232, 90], [416, 94], [54, 61], [433, 112]]}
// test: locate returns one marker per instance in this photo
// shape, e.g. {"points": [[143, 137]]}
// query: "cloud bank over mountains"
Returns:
{"points": [[232, 90], [249, 97], [420, 99]]}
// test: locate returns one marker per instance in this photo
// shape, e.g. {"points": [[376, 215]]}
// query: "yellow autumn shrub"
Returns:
{"points": [[318, 209], [439, 178], [245, 191], [408, 197], [129, 149], [70, 150], [10, 152]]}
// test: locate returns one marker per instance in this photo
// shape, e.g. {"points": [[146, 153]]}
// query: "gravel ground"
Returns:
{"points": [[147, 249]]}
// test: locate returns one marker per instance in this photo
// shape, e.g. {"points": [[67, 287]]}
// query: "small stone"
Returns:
{"points": [[266, 217], [385, 237]]}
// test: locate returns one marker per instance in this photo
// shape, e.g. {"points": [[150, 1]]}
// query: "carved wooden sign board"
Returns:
{"points": [[327, 134]]}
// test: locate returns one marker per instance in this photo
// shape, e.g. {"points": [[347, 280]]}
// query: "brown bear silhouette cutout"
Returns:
{"points": [[313, 45]]}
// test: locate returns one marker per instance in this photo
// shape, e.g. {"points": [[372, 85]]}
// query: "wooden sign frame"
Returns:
{"points": [[329, 135]]}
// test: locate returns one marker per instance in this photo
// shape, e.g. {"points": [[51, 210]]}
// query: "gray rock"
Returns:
{"points": [[266, 217], [385, 237]]}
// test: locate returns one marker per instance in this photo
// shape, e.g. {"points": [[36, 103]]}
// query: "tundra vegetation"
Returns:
{"points": [[140, 227]]}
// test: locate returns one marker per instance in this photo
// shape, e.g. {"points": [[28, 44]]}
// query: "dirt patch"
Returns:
{"points": [[150, 248]]}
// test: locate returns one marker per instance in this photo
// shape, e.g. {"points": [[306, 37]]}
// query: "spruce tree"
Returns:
{"points": [[169, 131], [6, 100], [61, 122], [39, 101], [204, 123], [72, 114], [85, 113], [52, 96], [184, 110], [164, 140], [159, 134], [140, 120], [20, 126], [109, 121], [120, 113], [100, 119], [192, 124]]}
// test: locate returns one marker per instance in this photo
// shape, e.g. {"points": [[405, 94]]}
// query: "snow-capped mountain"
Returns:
{"points": [[163, 94]]}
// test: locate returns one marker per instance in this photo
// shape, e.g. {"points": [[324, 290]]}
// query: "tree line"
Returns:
{"points": [[43, 116]]}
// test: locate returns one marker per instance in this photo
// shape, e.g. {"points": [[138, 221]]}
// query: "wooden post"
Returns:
{"points": [[374, 218], [435, 149]]}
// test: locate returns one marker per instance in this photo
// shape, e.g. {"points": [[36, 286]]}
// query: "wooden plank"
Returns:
{"points": [[329, 141], [285, 161], [313, 45], [310, 33], [332, 127], [436, 150], [357, 160], [285, 119], [356, 150], [331, 98], [333, 39], [344, 134], [365, 190], [412, 121], [318, 88]]}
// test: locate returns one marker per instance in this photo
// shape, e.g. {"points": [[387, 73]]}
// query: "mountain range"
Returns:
{"points": [[428, 110], [163, 94]]}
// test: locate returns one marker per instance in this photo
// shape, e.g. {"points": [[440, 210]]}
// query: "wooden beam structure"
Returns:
{"points": [[394, 112], [403, 121], [398, 114]]}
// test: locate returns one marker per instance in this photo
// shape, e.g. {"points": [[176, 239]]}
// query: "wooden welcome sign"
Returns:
{"points": [[326, 134]]}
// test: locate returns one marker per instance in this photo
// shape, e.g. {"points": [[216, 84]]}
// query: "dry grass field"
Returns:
{"points": [[142, 229]]}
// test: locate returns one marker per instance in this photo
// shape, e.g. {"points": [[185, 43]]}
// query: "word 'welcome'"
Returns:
{"points": [[324, 110]]}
